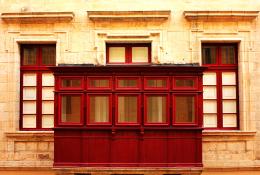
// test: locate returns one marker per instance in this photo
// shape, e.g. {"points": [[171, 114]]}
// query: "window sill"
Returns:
{"points": [[231, 135], [31, 135]]}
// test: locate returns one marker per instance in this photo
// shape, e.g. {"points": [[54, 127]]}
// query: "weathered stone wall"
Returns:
{"points": [[175, 40]]}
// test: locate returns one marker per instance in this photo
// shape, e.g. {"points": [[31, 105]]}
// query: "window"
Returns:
{"points": [[129, 53], [220, 89], [37, 86]]}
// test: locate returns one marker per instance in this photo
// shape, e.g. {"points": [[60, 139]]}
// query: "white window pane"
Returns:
{"points": [[47, 79], [229, 106], [229, 92], [209, 78], [116, 54], [210, 120], [47, 121], [229, 120], [47, 93], [29, 79], [209, 92], [47, 107], [29, 107], [29, 121], [228, 78], [139, 54], [210, 106], [29, 93]]}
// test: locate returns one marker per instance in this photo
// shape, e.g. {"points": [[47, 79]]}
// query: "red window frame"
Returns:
{"points": [[196, 108], [128, 52], [166, 78], [89, 78], [137, 78], [219, 68], [138, 110], [81, 78], [110, 109], [38, 68], [81, 123], [167, 110], [195, 79]]}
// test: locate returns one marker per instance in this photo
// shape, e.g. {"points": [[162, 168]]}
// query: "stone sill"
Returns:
{"points": [[37, 16], [129, 15], [31, 135], [194, 15], [228, 133]]}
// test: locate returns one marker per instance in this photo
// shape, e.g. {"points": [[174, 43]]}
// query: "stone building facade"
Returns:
{"points": [[177, 30]]}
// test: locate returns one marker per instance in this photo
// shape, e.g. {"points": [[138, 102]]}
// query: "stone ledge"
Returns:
{"points": [[231, 135], [194, 15], [129, 15], [31, 135], [37, 16]]}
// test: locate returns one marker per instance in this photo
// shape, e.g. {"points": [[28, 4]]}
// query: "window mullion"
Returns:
{"points": [[219, 100], [39, 101]]}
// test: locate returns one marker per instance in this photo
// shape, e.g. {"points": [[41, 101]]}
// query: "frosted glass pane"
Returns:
{"points": [[229, 92], [47, 107], [210, 120], [139, 54], [127, 108], [29, 121], [156, 109], [47, 93], [29, 107], [229, 106], [47, 79], [209, 92], [29, 93], [29, 79], [209, 78], [99, 108], [116, 54], [210, 106], [229, 120], [47, 121], [228, 78]]}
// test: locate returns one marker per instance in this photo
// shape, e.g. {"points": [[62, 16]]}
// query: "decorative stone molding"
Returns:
{"points": [[30, 135], [129, 15], [195, 15], [37, 16]]}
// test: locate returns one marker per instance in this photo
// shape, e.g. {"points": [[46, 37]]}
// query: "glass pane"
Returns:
{"points": [[70, 108], [29, 93], [228, 78], [99, 108], [209, 78], [29, 121], [116, 54], [185, 109], [229, 92], [228, 54], [70, 83], [184, 83], [209, 92], [29, 79], [29, 56], [229, 106], [47, 93], [127, 83], [47, 121], [47, 79], [127, 109], [209, 106], [29, 107], [156, 109], [229, 120], [209, 54], [99, 83], [48, 107], [140, 54], [210, 120], [156, 83], [48, 55]]}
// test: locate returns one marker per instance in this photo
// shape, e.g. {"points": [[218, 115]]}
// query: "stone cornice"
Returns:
{"points": [[129, 15], [203, 15], [37, 16]]}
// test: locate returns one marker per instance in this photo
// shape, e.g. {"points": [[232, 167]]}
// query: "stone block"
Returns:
{"points": [[19, 146], [31, 146], [43, 146]]}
